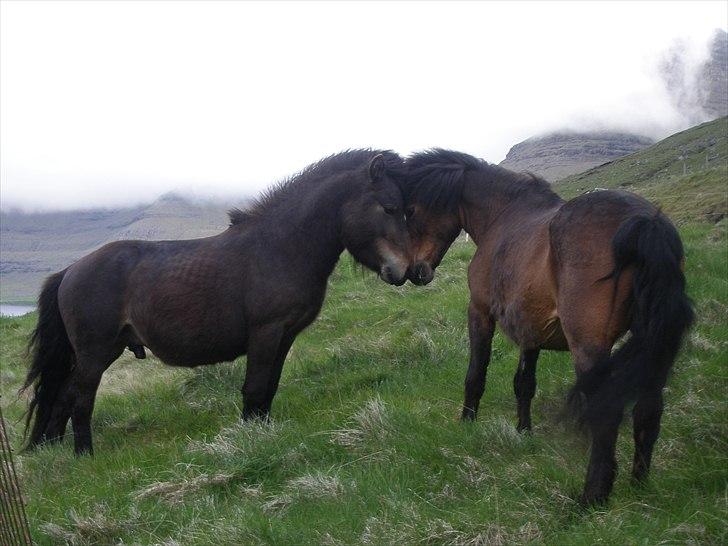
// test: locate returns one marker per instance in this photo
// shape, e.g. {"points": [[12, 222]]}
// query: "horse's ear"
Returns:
{"points": [[376, 169]]}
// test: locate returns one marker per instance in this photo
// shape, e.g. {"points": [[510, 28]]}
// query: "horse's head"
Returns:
{"points": [[374, 230], [432, 231], [432, 189]]}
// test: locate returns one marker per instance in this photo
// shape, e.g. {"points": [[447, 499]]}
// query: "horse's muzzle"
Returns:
{"points": [[390, 276], [421, 273]]}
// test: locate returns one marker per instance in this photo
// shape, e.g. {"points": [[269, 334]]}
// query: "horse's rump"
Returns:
{"points": [[593, 309]]}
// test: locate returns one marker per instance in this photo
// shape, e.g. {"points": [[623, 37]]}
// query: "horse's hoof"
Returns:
{"points": [[85, 451], [638, 478], [468, 415], [523, 428], [589, 500]]}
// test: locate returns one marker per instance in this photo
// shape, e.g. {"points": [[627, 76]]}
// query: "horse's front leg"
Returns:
{"points": [[267, 349], [480, 329]]}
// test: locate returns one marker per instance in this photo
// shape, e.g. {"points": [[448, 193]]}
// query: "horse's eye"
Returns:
{"points": [[390, 209], [410, 212]]}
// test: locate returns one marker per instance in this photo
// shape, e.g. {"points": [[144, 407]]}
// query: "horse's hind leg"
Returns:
{"points": [[604, 428], [602, 468], [524, 386], [60, 414], [77, 400], [646, 415], [84, 387], [480, 329]]}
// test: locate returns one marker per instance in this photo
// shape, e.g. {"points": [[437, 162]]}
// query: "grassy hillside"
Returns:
{"points": [[365, 446], [687, 174]]}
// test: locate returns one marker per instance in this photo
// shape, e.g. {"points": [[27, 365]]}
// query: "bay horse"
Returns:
{"points": [[248, 290], [559, 275]]}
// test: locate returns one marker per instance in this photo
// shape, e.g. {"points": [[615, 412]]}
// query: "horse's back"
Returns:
{"points": [[583, 223]]}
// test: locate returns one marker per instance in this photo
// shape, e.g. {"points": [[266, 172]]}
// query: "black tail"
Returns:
{"points": [[53, 360], [661, 315]]}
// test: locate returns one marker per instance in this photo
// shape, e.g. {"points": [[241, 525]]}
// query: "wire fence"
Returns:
{"points": [[14, 530]]}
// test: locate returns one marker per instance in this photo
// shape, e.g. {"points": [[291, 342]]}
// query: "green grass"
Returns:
{"points": [[365, 446], [690, 190]]}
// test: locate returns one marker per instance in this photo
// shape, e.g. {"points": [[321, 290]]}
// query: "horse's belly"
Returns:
{"points": [[196, 354], [533, 327], [194, 343], [553, 337]]}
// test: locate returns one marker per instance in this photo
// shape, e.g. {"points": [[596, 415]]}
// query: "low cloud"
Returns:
{"points": [[109, 104]]}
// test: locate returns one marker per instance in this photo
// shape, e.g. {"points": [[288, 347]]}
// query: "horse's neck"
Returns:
{"points": [[486, 209], [309, 230]]}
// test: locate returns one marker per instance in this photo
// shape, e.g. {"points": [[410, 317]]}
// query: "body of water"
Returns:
{"points": [[8, 310]]}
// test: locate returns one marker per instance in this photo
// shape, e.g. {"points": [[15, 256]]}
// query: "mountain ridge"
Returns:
{"points": [[33, 245], [559, 154]]}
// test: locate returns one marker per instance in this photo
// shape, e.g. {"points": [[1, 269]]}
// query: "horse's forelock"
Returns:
{"points": [[435, 178]]}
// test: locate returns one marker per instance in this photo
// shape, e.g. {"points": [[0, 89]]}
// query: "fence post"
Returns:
{"points": [[14, 530]]}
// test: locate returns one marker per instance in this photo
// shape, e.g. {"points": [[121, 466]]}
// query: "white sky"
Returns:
{"points": [[109, 103]]}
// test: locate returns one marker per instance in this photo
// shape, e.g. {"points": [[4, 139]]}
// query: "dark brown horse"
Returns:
{"points": [[249, 290], [559, 275]]}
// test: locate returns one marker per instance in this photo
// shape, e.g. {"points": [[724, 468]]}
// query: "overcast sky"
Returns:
{"points": [[106, 103]]}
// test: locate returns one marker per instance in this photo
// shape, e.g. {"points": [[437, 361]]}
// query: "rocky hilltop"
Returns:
{"points": [[558, 155], [714, 78], [699, 93], [32, 246]]}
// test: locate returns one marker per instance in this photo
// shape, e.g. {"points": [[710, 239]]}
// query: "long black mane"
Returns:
{"points": [[290, 189], [435, 178]]}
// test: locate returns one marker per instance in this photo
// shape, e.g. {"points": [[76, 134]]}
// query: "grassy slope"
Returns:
{"points": [[655, 172], [365, 446]]}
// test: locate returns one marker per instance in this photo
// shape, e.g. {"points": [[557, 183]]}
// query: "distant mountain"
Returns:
{"points": [[686, 174], [558, 155], [34, 245]]}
